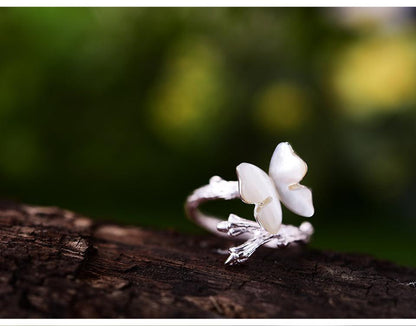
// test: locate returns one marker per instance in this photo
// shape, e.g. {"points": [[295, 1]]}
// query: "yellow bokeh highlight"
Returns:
{"points": [[281, 107], [376, 75], [188, 98]]}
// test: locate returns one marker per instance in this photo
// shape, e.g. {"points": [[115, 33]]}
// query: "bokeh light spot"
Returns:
{"points": [[187, 100], [376, 75], [281, 107]]}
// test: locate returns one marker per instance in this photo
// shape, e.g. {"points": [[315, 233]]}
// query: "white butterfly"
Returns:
{"points": [[282, 184]]}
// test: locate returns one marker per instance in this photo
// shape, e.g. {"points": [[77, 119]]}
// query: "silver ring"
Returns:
{"points": [[266, 192]]}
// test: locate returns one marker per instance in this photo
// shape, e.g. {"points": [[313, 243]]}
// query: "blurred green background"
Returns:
{"points": [[120, 113]]}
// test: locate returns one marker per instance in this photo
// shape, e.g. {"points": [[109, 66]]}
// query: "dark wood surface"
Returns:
{"points": [[55, 263]]}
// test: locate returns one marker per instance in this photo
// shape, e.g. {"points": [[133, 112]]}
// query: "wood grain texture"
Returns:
{"points": [[55, 263]]}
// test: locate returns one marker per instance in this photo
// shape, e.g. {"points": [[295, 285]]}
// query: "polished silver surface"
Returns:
{"points": [[237, 227]]}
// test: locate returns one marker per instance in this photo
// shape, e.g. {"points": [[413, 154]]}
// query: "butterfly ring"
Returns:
{"points": [[265, 192]]}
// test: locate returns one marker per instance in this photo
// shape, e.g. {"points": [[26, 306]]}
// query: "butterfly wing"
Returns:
{"points": [[287, 169], [256, 187]]}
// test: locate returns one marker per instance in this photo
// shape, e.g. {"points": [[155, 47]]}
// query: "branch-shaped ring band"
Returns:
{"points": [[265, 191]]}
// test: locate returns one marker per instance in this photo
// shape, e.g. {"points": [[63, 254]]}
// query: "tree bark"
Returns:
{"points": [[55, 263]]}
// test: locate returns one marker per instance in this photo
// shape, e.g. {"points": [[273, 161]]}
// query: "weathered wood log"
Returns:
{"points": [[55, 263]]}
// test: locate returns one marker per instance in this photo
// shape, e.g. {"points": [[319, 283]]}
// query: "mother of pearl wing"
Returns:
{"points": [[287, 169], [256, 187]]}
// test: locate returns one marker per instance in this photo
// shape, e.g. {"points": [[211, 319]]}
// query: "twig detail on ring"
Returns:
{"points": [[265, 191]]}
